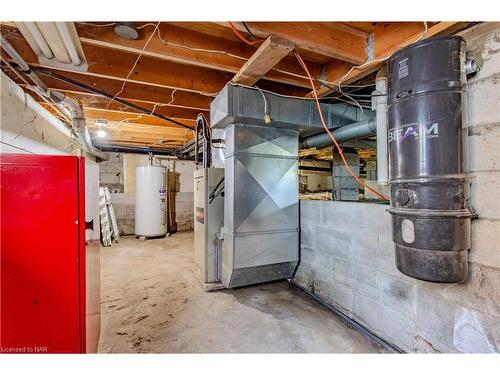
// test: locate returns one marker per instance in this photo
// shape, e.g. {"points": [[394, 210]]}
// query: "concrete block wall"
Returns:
{"points": [[347, 259], [124, 206], [347, 254], [184, 199], [111, 173], [184, 214]]}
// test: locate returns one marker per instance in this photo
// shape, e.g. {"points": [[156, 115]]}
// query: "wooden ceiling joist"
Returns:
{"points": [[98, 102], [138, 92], [125, 134], [389, 38], [324, 38], [116, 65], [189, 47], [273, 50], [134, 118]]}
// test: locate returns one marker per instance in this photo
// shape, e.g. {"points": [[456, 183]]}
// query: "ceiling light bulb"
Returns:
{"points": [[101, 133]]}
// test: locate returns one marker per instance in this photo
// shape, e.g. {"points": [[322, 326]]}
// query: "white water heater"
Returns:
{"points": [[150, 201]]}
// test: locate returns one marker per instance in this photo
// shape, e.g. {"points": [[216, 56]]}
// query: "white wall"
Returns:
{"points": [[27, 127]]}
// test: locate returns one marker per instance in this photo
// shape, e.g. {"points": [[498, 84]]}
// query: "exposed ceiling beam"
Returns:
{"points": [[133, 91], [158, 74], [389, 38], [125, 134], [273, 50], [137, 144], [120, 141], [185, 46], [323, 38], [92, 101], [151, 71], [130, 126], [133, 118]]}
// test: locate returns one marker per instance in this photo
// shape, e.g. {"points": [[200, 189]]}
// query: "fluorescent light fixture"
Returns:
{"points": [[63, 29], [56, 44]]}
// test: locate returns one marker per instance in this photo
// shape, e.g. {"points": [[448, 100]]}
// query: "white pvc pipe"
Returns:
{"points": [[382, 127], [39, 39], [54, 40], [62, 27]]}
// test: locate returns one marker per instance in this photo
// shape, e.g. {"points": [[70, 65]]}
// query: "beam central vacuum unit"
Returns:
{"points": [[431, 216]]}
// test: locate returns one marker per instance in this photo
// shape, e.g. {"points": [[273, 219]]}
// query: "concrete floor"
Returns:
{"points": [[152, 303]]}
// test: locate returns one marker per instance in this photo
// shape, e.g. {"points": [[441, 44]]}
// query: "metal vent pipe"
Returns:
{"points": [[380, 101], [79, 124], [345, 133]]}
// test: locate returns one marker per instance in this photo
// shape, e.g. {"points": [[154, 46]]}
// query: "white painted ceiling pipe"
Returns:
{"points": [[62, 27]]}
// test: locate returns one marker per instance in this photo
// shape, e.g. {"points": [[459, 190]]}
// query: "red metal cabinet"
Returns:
{"points": [[43, 256]]}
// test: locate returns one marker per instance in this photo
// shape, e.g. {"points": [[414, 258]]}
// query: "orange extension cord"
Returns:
{"points": [[315, 94], [239, 35], [360, 181]]}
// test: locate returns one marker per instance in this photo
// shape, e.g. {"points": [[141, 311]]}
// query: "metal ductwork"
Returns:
{"points": [[261, 209], [345, 133], [431, 219], [239, 104], [79, 124]]}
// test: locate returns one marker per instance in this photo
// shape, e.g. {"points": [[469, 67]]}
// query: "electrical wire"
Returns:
{"points": [[339, 84], [424, 33], [146, 25], [94, 90], [266, 113], [239, 35], [315, 94], [167, 42], [249, 31], [138, 117], [210, 131], [354, 101], [286, 96], [133, 67]]}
